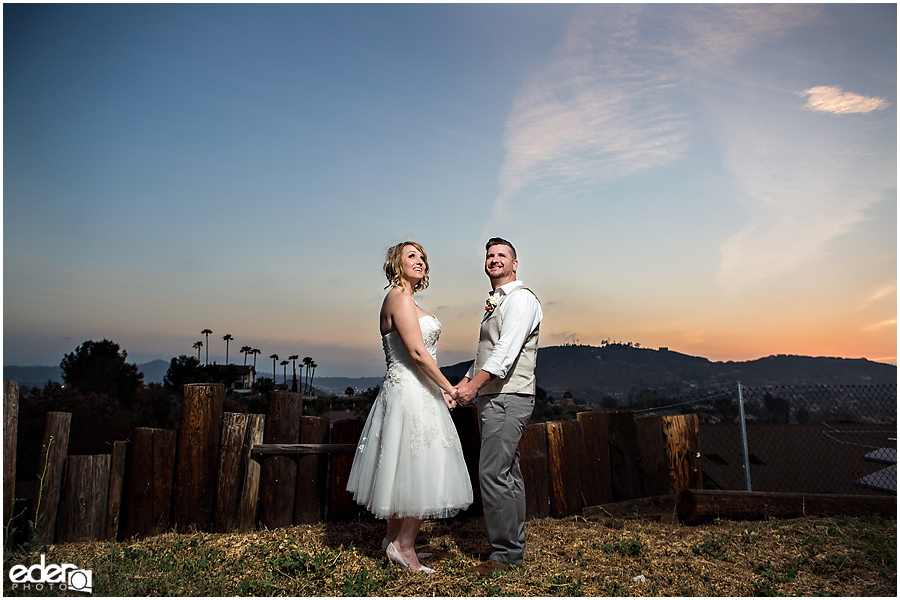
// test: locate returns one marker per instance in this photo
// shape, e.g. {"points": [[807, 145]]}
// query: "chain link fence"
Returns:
{"points": [[839, 439]]}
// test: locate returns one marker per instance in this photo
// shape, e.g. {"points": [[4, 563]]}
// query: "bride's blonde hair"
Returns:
{"points": [[392, 269]]}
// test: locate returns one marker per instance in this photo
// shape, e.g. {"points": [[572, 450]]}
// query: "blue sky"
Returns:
{"points": [[717, 179]]}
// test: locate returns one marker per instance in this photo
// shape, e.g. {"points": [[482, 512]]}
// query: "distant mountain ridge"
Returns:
{"points": [[617, 370]]}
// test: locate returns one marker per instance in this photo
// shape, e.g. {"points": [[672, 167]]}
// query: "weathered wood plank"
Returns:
{"points": [[249, 500], [149, 500], [10, 432], [198, 453], [116, 490], [624, 455], [535, 467], [656, 477], [311, 499], [51, 465], [261, 451], [564, 458], [231, 473], [278, 479], [85, 492], [682, 433], [341, 504], [596, 486]]}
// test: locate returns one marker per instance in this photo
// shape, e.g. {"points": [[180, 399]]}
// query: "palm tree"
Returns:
{"points": [[227, 337], [206, 332], [245, 350], [293, 358], [274, 358], [313, 365], [307, 361], [198, 345], [254, 352], [284, 364]]}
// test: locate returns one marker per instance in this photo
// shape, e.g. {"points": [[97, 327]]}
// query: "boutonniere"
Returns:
{"points": [[491, 303]]}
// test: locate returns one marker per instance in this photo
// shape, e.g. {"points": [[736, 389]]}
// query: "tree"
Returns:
{"points": [[284, 365], [274, 358], [206, 332], [245, 350], [255, 352], [293, 358], [100, 368], [307, 361], [182, 370], [313, 366], [227, 337], [349, 392], [198, 345]]}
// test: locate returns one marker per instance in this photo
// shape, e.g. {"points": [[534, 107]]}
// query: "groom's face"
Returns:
{"points": [[499, 264]]}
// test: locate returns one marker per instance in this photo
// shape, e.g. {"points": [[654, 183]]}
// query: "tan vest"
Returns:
{"points": [[520, 377]]}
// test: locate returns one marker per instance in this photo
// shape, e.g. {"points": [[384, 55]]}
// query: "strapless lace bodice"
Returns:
{"points": [[396, 353]]}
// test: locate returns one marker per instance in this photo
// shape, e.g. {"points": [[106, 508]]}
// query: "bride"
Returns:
{"points": [[409, 464]]}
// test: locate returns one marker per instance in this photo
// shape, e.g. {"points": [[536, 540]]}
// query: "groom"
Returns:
{"points": [[503, 378]]}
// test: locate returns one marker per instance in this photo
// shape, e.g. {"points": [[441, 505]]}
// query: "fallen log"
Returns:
{"points": [[701, 505]]}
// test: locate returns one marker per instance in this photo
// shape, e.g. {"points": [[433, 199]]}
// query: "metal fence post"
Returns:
{"points": [[744, 439]]}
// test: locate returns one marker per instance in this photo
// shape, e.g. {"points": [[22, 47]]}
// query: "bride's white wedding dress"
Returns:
{"points": [[409, 461]]}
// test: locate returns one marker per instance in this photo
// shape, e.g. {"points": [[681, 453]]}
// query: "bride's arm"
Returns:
{"points": [[403, 313]]}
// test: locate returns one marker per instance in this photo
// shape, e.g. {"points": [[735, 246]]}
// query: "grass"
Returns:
{"points": [[566, 557]]}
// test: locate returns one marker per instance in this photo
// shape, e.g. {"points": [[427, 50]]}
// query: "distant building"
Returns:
{"points": [[240, 377]]}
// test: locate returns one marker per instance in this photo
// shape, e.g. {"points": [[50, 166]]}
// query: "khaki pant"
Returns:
{"points": [[501, 419]]}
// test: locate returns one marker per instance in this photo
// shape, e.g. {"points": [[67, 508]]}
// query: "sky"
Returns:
{"points": [[720, 180]]}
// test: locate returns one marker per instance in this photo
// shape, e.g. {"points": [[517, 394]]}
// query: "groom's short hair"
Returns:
{"points": [[496, 241]]}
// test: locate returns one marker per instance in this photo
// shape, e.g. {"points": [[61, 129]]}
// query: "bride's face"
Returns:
{"points": [[413, 264]]}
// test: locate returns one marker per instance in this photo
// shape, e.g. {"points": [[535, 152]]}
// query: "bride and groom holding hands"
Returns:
{"points": [[409, 464]]}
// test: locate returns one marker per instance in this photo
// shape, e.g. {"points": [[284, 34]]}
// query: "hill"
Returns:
{"points": [[31, 377], [618, 370]]}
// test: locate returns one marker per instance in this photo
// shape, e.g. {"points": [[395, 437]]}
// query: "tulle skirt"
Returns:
{"points": [[409, 461]]}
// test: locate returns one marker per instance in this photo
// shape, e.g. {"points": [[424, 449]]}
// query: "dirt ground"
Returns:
{"points": [[565, 557]]}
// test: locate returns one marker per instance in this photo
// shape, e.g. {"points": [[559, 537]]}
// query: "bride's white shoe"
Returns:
{"points": [[419, 555], [394, 555]]}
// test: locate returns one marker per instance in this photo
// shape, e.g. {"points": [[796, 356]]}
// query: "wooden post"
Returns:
{"points": [[656, 477], [249, 501], [342, 505], [564, 457], [535, 467], [116, 490], [278, 479], [10, 431], [596, 486], [198, 453], [85, 492], [465, 418], [682, 434], [238, 475], [624, 456], [150, 489], [312, 473], [49, 477]]}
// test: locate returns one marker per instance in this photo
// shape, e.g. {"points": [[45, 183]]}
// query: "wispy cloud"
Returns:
{"points": [[595, 113], [835, 100]]}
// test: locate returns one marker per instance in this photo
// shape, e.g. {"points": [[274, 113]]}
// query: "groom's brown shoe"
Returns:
{"points": [[488, 567]]}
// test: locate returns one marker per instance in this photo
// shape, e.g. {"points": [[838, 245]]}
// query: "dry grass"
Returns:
{"points": [[566, 557]]}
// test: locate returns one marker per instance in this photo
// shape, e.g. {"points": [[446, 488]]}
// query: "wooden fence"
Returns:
{"points": [[238, 472]]}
